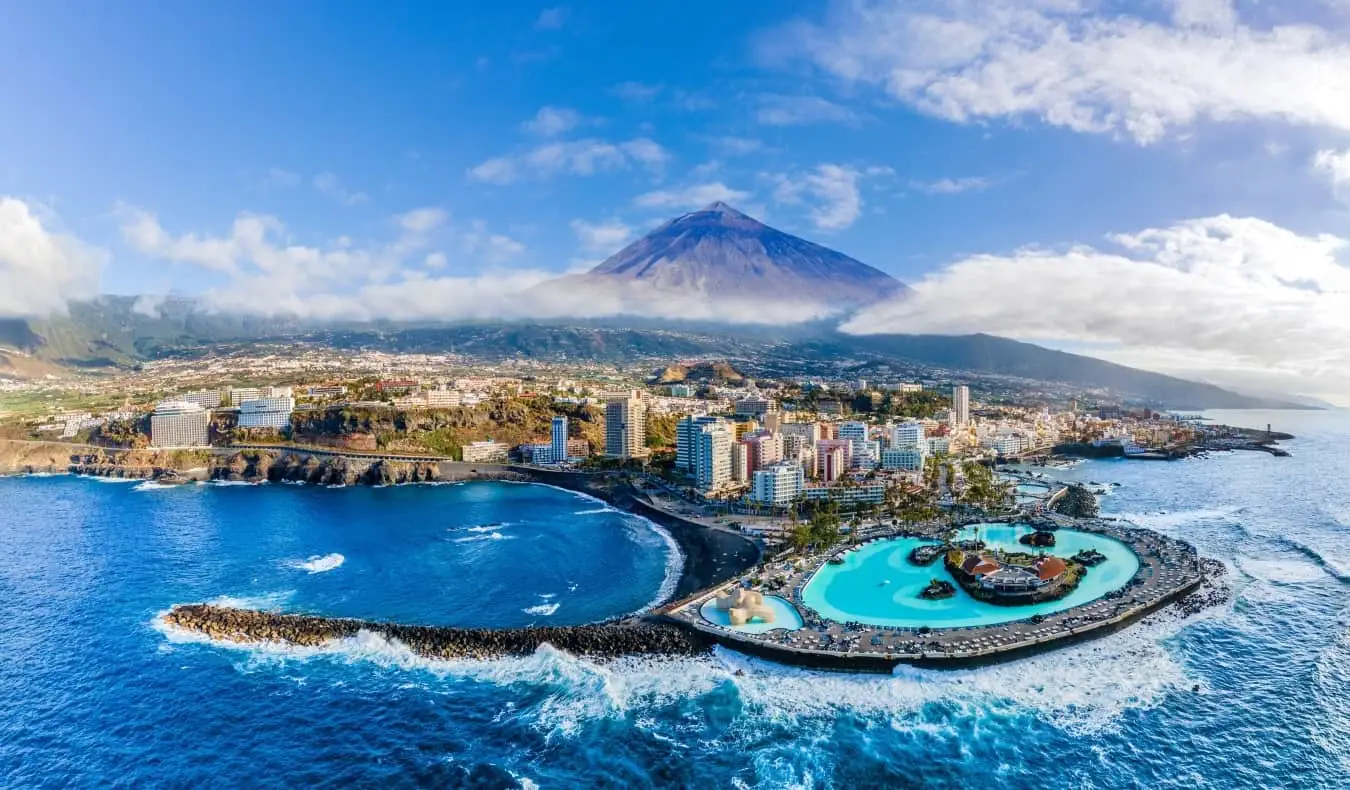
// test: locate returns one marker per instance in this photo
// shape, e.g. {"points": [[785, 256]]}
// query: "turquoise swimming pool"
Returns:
{"points": [[878, 585], [785, 616]]}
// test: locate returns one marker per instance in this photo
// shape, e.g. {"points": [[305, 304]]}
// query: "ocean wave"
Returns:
{"points": [[97, 479], [1280, 571], [233, 483], [595, 510], [493, 527], [263, 601], [1316, 557], [542, 610], [320, 563], [489, 536], [151, 485], [1081, 689]]}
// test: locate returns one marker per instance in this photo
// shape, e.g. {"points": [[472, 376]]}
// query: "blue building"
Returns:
{"points": [[559, 439]]}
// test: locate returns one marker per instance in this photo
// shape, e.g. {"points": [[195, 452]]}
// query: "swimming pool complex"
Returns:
{"points": [[878, 585], [785, 617]]}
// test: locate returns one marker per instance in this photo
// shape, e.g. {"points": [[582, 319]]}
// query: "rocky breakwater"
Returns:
{"points": [[1076, 502], [283, 466], [140, 464], [598, 641]]}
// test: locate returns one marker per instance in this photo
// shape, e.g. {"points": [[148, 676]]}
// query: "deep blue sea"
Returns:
{"points": [[94, 693]]}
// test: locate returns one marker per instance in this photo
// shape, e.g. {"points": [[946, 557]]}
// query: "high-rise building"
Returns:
{"points": [[274, 413], [853, 430], [207, 399], [712, 457], [810, 431], [179, 424], [960, 405], [740, 462], [687, 431], [866, 454], [831, 463], [626, 427], [907, 434], [762, 448], [778, 484], [485, 452], [559, 439], [824, 448]]}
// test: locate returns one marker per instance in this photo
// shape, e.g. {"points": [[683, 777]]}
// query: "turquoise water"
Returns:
{"points": [[878, 585], [786, 617]]}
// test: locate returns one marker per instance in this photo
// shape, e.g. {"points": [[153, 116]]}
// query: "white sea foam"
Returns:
{"points": [[543, 609], [1280, 571], [488, 527], [489, 536], [234, 483], [112, 479], [594, 510], [548, 596], [320, 563], [1082, 689], [264, 601], [151, 485]]}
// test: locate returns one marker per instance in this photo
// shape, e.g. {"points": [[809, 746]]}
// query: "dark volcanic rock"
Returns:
{"points": [[604, 640], [1077, 502]]}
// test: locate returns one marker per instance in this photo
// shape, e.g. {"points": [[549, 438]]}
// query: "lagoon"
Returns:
{"points": [[878, 585]]}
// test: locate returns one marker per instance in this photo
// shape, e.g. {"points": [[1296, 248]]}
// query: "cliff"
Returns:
{"points": [[280, 466]]}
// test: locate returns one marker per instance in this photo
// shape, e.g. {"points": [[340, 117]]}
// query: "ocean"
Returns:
{"points": [[93, 691]]}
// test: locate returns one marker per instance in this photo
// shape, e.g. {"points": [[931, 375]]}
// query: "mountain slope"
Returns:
{"points": [[718, 251], [1001, 356]]}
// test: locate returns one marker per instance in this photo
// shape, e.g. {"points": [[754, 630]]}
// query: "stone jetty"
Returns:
{"points": [[597, 641]]}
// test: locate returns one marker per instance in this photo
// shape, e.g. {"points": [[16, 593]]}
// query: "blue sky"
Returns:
{"points": [[956, 145]]}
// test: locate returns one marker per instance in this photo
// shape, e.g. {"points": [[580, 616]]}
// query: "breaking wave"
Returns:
{"points": [[542, 610], [320, 563]]}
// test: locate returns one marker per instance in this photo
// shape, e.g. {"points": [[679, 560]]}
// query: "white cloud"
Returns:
{"points": [[601, 238], [1069, 65], [552, 121], [142, 232], [1335, 166], [951, 186], [577, 157], [1237, 295], [406, 278], [281, 179], [331, 187], [422, 220], [552, 18], [831, 191], [779, 110], [691, 197], [636, 91], [42, 271], [148, 305]]}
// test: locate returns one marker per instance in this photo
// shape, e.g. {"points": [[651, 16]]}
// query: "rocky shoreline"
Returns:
{"points": [[631, 637]]}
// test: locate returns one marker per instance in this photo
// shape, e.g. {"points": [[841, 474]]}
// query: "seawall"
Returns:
{"points": [[598, 641]]}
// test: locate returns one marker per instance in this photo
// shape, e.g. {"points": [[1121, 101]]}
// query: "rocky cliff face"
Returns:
{"points": [[281, 466]]}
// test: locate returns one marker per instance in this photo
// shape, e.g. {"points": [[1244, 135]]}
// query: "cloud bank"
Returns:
{"points": [[1080, 65], [41, 271], [1238, 296]]}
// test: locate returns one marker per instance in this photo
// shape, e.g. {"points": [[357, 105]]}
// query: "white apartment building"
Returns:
{"points": [[179, 424], [809, 431], [712, 457], [778, 484], [866, 454], [854, 431], [848, 496], [756, 407], [207, 399], [907, 434], [274, 413], [938, 445], [961, 405], [486, 452], [626, 427], [241, 395]]}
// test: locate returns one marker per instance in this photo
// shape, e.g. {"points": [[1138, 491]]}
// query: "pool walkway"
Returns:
{"points": [[1168, 570]]}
